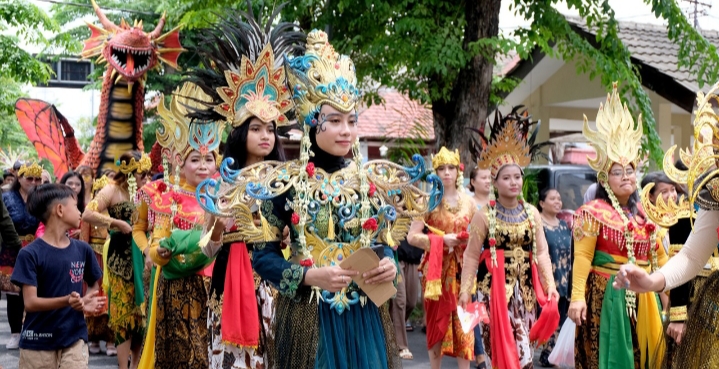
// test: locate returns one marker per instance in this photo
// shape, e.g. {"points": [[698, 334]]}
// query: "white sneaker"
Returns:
{"points": [[94, 348], [14, 342]]}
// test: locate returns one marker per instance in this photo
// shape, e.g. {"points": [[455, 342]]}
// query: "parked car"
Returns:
{"points": [[571, 181]]}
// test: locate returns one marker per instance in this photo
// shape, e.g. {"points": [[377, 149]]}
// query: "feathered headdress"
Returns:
{"points": [[509, 141], [9, 157], [616, 139], [244, 75]]}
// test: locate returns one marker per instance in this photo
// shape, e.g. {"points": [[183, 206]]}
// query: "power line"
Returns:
{"points": [[103, 8], [697, 12]]}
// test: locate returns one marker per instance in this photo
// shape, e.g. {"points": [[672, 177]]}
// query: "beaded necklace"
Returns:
{"points": [[513, 212]]}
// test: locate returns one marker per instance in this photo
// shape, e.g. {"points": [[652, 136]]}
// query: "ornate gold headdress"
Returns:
{"points": [[322, 76], [258, 90], [506, 148], [665, 214], [616, 140], [445, 157], [180, 135], [31, 170], [141, 166], [100, 183]]}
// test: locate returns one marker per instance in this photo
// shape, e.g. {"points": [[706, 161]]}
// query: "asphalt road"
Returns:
{"points": [[9, 358]]}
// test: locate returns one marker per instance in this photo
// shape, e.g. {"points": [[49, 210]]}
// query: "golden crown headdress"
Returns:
{"points": [[100, 183], [616, 140], [445, 157], [181, 135], [141, 166], [30, 170], [508, 147], [665, 214], [257, 90], [322, 76]]}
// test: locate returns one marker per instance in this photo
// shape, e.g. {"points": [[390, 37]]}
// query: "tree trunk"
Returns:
{"points": [[471, 90]]}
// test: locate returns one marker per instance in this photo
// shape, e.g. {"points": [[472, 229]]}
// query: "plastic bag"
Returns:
{"points": [[563, 352], [476, 312]]}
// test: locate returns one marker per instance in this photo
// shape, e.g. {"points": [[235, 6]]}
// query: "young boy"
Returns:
{"points": [[50, 272]]}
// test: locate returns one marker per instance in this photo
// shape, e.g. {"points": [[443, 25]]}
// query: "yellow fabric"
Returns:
{"points": [[649, 331], [147, 359], [583, 256], [105, 271], [678, 314], [162, 229], [139, 228]]}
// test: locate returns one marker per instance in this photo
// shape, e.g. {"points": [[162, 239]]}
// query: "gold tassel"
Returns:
{"points": [[331, 224], [266, 231], [433, 290], [389, 239]]}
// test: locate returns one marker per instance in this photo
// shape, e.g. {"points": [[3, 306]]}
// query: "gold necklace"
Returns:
{"points": [[452, 209]]}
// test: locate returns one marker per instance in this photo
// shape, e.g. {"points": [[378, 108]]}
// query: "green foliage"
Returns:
{"points": [[11, 134], [530, 187]]}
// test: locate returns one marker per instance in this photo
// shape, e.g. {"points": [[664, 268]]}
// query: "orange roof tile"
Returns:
{"points": [[398, 117]]}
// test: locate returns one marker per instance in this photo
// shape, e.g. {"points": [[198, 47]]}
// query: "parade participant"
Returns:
{"points": [[177, 333], [88, 178], [322, 318], [480, 183], [444, 247], [123, 262], [28, 176], [614, 330], [698, 345], [240, 330], [98, 328], [559, 241], [505, 240]]}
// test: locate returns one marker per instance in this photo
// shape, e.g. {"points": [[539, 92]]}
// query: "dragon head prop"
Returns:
{"points": [[130, 51]]}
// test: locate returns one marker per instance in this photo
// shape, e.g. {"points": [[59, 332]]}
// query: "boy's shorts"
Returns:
{"points": [[75, 356]]}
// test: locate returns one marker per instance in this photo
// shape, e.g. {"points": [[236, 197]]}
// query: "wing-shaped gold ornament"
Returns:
{"points": [[666, 214]]}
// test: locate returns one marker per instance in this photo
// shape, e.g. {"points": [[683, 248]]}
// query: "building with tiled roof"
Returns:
{"points": [[556, 94]]}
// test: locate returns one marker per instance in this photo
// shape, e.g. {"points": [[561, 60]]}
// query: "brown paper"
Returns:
{"points": [[364, 260]]}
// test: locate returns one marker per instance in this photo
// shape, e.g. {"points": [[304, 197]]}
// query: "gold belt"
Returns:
{"points": [[613, 268], [97, 240]]}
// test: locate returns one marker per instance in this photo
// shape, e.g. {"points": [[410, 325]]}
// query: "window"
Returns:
{"points": [[76, 71]]}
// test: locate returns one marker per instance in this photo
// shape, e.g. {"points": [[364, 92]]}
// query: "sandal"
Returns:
{"points": [[405, 354], [408, 327]]}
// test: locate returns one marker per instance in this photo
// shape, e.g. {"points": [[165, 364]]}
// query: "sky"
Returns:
{"points": [[75, 104]]}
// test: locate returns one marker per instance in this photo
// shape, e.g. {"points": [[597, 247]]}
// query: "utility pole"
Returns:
{"points": [[696, 12]]}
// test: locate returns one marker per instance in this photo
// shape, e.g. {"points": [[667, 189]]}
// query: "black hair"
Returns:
{"points": [[80, 199], [473, 174], [631, 203], [7, 173], [543, 196], [41, 200], [660, 177], [236, 146], [679, 164]]}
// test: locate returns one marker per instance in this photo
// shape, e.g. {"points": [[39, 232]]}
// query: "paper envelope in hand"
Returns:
{"points": [[364, 260]]}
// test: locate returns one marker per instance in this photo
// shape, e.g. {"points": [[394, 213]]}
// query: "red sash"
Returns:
{"points": [[240, 318]]}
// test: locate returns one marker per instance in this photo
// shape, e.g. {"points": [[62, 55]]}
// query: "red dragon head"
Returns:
{"points": [[129, 51]]}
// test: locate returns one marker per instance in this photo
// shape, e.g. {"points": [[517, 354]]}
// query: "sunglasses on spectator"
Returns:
{"points": [[33, 179]]}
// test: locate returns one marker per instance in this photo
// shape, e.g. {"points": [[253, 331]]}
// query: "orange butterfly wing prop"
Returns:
{"points": [[48, 131]]}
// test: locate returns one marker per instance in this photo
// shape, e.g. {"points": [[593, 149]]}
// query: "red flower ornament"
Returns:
{"points": [[306, 263], [372, 189], [162, 187], [651, 227], [295, 218], [160, 168], [370, 224], [630, 227], [461, 167], [492, 242], [492, 203], [310, 168]]}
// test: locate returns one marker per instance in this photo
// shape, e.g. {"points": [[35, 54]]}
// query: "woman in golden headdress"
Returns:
{"points": [[507, 254], [123, 262], [698, 345], [177, 333], [614, 330], [28, 176], [445, 244]]}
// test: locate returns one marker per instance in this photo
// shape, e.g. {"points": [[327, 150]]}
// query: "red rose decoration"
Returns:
{"points": [[310, 168], [372, 189], [160, 168], [492, 203], [306, 262], [630, 226], [651, 227], [370, 224], [461, 167], [175, 197], [463, 235], [162, 187], [492, 242], [295, 218]]}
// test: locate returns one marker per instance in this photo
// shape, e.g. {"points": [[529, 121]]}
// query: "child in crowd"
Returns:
{"points": [[50, 271]]}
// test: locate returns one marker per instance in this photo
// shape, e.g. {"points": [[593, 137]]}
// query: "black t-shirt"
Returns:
{"points": [[55, 272]]}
